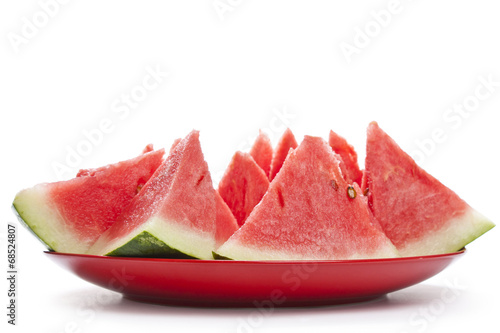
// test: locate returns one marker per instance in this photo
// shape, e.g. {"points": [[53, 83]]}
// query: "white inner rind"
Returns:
{"points": [[194, 243], [45, 221], [457, 233], [234, 250]]}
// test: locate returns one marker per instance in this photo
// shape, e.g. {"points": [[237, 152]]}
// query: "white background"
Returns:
{"points": [[229, 74]]}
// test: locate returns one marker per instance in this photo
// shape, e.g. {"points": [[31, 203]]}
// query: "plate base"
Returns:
{"points": [[251, 303]]}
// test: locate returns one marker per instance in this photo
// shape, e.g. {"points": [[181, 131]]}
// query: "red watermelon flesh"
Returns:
{"points": [[286, 142], [174, 214], [419, 214], [307, 214], [243, 185], [343, 169], [364, 184], [348, 155], [262, 152], [174, 144], [226, 224], [69, 216]]}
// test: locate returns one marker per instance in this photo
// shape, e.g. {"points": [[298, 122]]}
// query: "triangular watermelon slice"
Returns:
{"points": [[420, 215], [348, 155], [243, 185], [69, 216], [262, 152], [309, 212], [173, 215], [286, 142]]}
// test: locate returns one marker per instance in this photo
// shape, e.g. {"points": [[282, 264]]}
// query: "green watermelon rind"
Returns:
{"points": [[220, 257], [145, 245], [177, 239]]}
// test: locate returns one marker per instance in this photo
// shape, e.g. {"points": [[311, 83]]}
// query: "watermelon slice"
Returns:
{"points": [[262, 152], [309, 212], [226, 224], [243, 185], [69, 216], [420, 215], [348, 155], [173, 215], [286, 142]]}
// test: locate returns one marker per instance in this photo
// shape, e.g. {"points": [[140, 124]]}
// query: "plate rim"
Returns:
{"points": [[261, 262]]}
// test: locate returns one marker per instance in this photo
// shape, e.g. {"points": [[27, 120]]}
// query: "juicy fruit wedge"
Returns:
{"points": [[262, 152], [243, 185], [173, 215], [420, 215], [348, 155], [286, 142], [308, 214], [69, 216]]}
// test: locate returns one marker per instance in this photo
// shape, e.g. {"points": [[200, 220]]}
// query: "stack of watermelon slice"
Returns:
{"points": [[307, 201]]}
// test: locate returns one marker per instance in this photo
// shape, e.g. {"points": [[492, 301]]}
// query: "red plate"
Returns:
{"points": [[253, 283]]}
